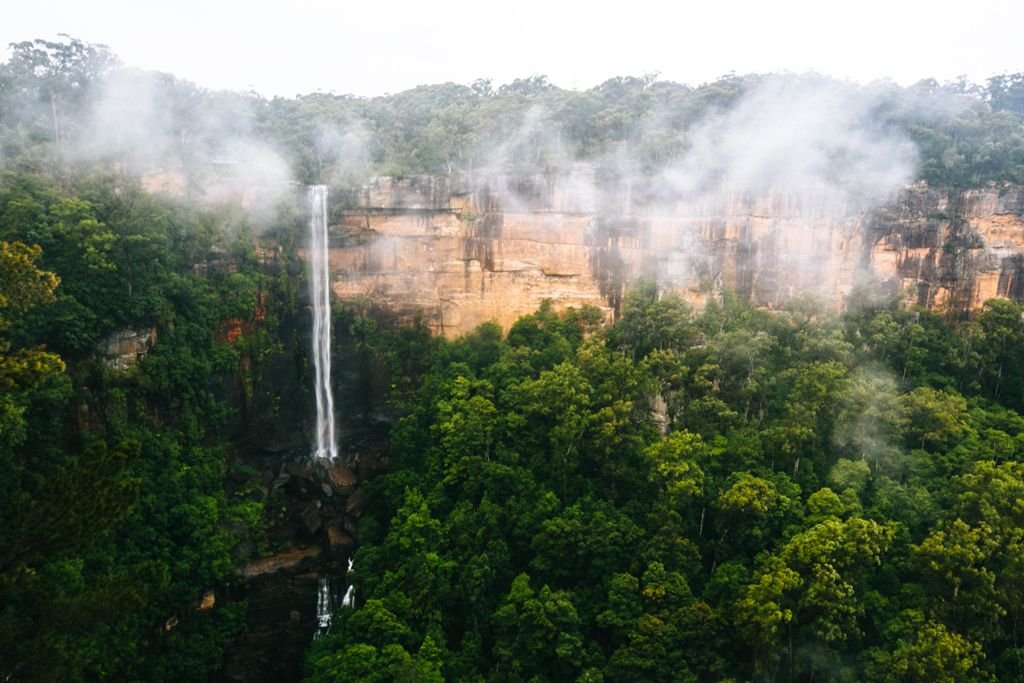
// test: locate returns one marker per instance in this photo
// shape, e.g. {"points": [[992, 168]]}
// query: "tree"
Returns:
{"points": [[675, 466], [22, 287], [928, 651], [538, 633], [51, 80], [935, 419], [813, 588]]}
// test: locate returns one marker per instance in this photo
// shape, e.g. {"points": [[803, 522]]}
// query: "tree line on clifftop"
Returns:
{"points": [[73, 100]]}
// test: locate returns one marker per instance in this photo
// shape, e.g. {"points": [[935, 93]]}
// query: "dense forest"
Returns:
{"points": [[730, 495], [677, 495], [115, 514], [70, 100]]}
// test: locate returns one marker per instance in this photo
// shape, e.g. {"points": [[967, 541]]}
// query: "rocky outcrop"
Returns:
{"points": [[291, 560], [124, 348], [312, 534], [459, 251], [280, 590]]}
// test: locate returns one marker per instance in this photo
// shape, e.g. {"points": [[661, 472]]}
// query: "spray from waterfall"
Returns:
{"points": [[326, 447]]}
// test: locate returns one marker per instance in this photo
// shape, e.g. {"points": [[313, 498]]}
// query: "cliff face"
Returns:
{"points": [[459, 251]]}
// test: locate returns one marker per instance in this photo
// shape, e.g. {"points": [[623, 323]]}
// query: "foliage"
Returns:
{"points": [[828, 502], [967, 135], [116, 518]]}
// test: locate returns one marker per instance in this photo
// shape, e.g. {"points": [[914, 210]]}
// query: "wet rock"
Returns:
{"points": [[309, 514], [299, 470], [351, 527], [278, 482], [280, 623], [369, 466], [303, 489], [283, 534], [355, 504], [288, 560], [338, 540], [342, 479]]}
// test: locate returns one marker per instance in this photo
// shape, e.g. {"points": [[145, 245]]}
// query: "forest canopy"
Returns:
{"points": [[729, 495], [77, 101]]}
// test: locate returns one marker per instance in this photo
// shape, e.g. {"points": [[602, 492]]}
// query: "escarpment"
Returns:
{"points": [[461, 250]]}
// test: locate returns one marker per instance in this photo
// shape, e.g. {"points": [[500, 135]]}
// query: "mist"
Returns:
{"points": [[175, 137], [807, 137], [825, 147]]}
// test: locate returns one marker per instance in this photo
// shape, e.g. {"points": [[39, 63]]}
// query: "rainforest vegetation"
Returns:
{"points": [[73, 100], [820, 497], [680, 495]]}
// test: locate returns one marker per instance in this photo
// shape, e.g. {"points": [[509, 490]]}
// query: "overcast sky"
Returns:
{"points": [[371, 48]]}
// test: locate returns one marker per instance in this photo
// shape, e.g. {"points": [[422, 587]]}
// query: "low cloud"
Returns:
{"points": [[804, 137]]}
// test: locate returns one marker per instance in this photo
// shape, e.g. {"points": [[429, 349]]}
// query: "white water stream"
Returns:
{"points": [[320, 279], [324, 606], [350, 595]]}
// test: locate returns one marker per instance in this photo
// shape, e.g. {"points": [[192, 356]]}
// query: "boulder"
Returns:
{"points": [[342, 479], [355, 504], [280, 481], [300, 488], [338, 540], [299, 470], [351, 527], [309, 515]]}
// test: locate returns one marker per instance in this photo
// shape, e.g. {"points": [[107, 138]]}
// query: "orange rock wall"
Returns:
{"points": [[459, 253]]}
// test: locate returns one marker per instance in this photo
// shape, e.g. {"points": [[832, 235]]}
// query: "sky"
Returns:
{"points": [[373, 48]]}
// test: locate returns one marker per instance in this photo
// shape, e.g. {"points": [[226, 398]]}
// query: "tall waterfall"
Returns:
{"points": [[326, 447]]}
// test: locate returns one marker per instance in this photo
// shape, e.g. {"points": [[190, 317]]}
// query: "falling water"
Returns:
{"points": [[350, 595], [324, 608], [326, 448]]}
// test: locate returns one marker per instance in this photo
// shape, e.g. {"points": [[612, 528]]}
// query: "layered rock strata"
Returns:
{"points": [[459, 251]]}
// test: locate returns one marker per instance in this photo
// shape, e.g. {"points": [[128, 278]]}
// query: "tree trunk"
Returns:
{"points": [[56, 122]]}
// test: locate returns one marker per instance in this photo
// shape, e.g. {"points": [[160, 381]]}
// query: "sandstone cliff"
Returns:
{"points": [[459, 251]]}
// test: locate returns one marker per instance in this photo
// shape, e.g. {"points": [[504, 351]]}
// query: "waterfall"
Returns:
{"points": [[324, 608], [350, 595], [326, 447], [349, 599]]}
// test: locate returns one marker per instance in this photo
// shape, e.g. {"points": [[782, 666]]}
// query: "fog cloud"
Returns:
{"points": [[150, 124], [805, 137], [343, 153]]}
